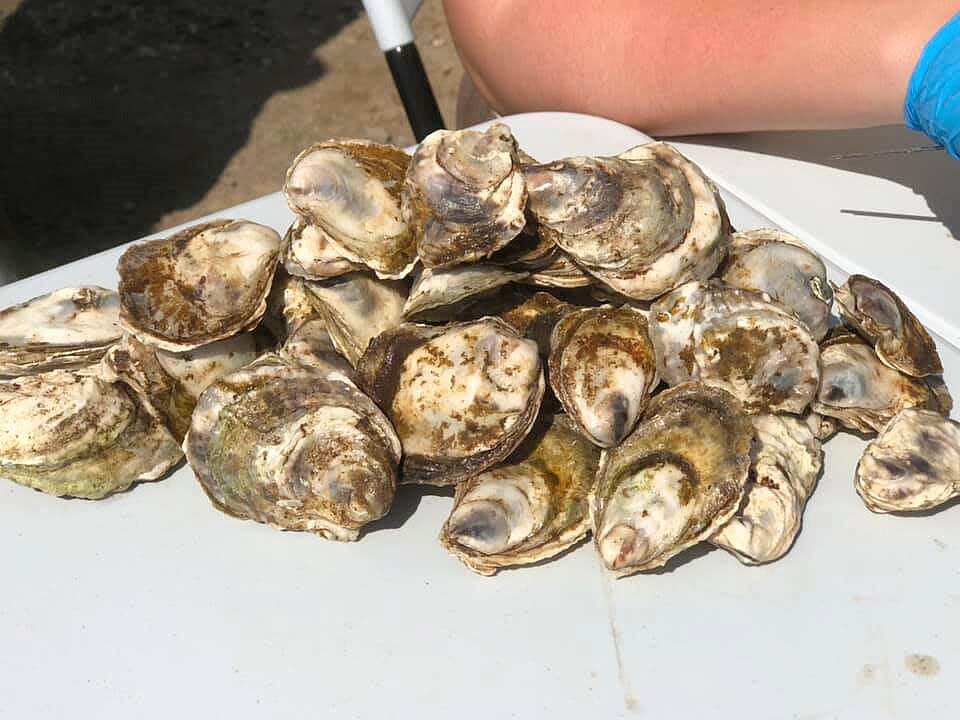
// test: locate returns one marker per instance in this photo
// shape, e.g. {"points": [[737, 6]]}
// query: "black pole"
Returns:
{"points": [[414, 88]]}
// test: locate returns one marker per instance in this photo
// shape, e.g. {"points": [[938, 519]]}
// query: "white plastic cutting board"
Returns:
{"points": [[151, 604]]}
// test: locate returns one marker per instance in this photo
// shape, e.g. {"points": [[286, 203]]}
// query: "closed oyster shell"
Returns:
{"points": [[357, 308], [72, 433], [785, 463], [311, 344], [205, 283], [643, 222], [879, 315], [285, 445], [351, 190], [462, 396], [464, 195], [309, 252], [913, 465], [739, 340], [65, 328], [603, 370], [675, 481], [442, 294], [863, 393], [531, 508], [777, 263], [559, 271]]}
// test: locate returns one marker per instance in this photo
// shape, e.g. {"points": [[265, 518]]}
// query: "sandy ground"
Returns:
{"points": [[126, 118]]}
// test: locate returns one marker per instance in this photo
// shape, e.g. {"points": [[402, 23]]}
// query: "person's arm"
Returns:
{"points": [[691, 66]]}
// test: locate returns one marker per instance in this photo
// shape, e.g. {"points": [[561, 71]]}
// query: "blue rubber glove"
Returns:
{"points": [[933, 97]]}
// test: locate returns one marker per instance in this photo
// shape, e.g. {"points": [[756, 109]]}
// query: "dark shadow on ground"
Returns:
{"points": [[932, 174], [115, 113]]}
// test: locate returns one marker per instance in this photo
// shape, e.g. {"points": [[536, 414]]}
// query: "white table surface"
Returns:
{"points": [[150, 604]]}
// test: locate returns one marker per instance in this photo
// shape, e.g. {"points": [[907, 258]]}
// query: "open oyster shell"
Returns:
{"points": [[863, 393], [357, 308], [913, 465], [785, 463], [675, 481], [351, 190], [739, 340], [72, 433], [603, 369], [65, 328], [285, 445], [643, 222], [441, 294], [877, 313], [205, 283], [464, 195], [777, 263], [533, 507], [309, 252], [461, 396]]}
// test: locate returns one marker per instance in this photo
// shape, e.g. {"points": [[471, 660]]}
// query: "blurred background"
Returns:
{"points": [[124, 118]]}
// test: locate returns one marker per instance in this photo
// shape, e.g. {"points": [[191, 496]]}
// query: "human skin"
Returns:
{"points": [[692, 66]]}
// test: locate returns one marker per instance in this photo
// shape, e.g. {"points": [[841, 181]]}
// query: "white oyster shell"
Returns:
{"points": [[785, 464]]}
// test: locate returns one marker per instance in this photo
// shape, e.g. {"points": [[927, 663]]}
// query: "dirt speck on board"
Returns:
{"points": [[922, 665], [941, 545], [868, 674]]}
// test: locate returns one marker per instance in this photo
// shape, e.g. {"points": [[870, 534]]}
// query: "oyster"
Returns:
{"points": [[534, 318], [675, 481], [877, 313], [464, 195], [777, 263], [643, 222], [862, 393], [195, 370], [462, 396], [357, 308], [441, 294], [350, 189], [65, 328], [71, 433], [739, 340], [602, 369], [205, 283], [913, 465], [285, 445], [561, 271], [311, 344], [532, 508], [309, 252], [785, 463]]}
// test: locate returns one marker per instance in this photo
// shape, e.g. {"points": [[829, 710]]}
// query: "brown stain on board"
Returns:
{"points": [[922, 665], [629, 700]]}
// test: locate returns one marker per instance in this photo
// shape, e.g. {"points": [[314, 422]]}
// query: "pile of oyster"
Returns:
{"points": [[573, 347]]}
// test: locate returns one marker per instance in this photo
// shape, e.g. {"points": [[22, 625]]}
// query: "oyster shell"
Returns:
{"points": [[785, 463], [65, 328], [531, 508], [441, 294], [777, 263], [603, 370], [351, 190], [534, 318], [205, 283], [675, 481], [462, 396], [877, 313], [464, 195], [862, 393], [282, 444], [560, 271], [71, 433], [643, 222], [357, 308], [311, 344], [739, 340], [309, 252], [913, 465]]}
